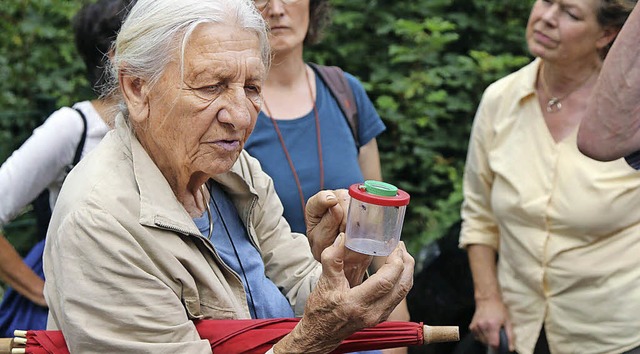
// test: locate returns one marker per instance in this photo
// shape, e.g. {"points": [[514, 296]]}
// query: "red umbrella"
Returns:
{"points": [[39, 342], [257, 336]]}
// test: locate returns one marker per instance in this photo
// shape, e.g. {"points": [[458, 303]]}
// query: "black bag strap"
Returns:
{"points": [[83, 138], [340, 89], [42, 211]]}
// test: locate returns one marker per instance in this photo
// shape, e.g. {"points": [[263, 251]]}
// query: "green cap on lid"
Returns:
{"points": [[380, 188]]}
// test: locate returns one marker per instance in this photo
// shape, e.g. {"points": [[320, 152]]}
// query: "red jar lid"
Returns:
{"points": [[379, 193]]}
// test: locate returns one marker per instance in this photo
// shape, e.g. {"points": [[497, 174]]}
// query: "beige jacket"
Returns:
{"points": [[127, 269]]}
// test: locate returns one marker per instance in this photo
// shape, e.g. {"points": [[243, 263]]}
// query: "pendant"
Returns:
{"points": [[554, 105]]}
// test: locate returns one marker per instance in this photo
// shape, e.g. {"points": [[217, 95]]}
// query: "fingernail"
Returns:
{"points": [[336, 243], [331, 197]]}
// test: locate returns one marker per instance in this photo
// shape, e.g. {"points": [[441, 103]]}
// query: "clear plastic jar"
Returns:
{"points": [[375, 217]]}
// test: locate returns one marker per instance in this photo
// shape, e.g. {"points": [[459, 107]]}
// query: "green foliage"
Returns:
{"points": [[39, 71], [424, 63], [39, 67]]}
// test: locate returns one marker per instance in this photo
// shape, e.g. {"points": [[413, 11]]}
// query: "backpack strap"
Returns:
{"points": [[80, 147], [340, 89]]}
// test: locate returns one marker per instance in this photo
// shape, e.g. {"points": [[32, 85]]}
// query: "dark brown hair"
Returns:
{"points": [[95, 26], [319, 16]]}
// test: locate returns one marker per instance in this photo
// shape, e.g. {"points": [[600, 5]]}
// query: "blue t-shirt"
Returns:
{"points": [[339, 151], [231, 241]]}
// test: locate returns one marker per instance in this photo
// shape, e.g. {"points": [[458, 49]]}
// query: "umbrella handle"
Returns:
{"points": [[5, 345], [438, 334]]}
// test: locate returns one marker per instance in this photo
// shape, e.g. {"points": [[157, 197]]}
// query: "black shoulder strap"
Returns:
{"points": [[339, 87], [80, 147]]}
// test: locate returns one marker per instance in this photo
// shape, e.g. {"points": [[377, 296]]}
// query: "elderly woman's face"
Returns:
{"points": [[565, 30], [198, 122]]}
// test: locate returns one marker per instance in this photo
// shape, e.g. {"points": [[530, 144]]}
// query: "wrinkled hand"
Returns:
{"points": [[335, 310], [326, 215], [490, 316]]}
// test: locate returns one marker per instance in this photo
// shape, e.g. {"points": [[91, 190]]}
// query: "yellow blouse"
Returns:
{"points": [[567, 227]]}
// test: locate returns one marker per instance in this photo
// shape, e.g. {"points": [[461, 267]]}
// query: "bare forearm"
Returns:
{"points": [[369, 161], [611, 127], [400, 313], [491, 314], [18, 275], [482, 261]]}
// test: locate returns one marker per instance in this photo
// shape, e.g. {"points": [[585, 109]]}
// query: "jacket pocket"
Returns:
{"points": [[219, 313], [192, 306], [199, 310]]}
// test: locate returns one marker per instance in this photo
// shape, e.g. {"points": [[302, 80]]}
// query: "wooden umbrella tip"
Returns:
{"points": [[439, 334], [20, 333], [18, 341]]}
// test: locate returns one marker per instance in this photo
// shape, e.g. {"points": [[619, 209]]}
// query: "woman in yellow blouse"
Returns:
{"points": [[553, 237]]}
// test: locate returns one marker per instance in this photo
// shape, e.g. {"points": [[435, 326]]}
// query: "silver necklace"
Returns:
{"points": [[554, 104]]}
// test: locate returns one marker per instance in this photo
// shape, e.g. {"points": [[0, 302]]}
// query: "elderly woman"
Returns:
{"points": [[170, 220], [563, 228]]}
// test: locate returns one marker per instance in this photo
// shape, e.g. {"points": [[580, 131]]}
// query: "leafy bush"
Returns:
{"points": [[39, 71], [425, 65], [39, 67]]}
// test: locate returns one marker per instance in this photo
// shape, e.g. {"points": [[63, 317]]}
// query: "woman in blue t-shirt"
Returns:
{"points": [[302, 138]]}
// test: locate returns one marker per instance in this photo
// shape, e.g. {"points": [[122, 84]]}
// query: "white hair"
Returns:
{"points": [[156, 30]]}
